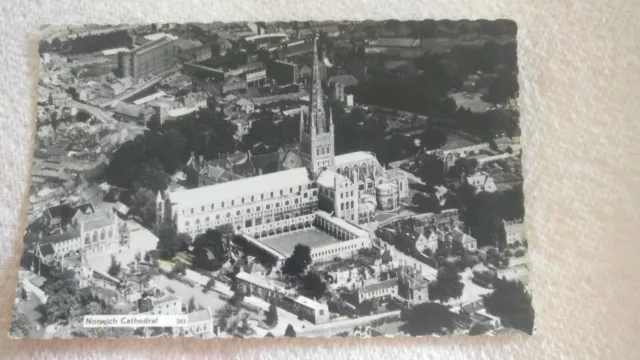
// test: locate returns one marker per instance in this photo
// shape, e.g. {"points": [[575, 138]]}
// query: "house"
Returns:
{"points": [[463, 240], [428, 239], [481, 181], [61, 216], [274, 292], [413, 286], [378, 289], [161, 305], [339, 84], [514, 231], [200, 324], [245, 105]]}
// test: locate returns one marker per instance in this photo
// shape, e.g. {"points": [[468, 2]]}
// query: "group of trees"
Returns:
{"points": [[428, 319], [297, 263], [512, 303], [488, 124], [210, 249], [483, 213], [114, 268], [448, 285], [149, 159], [170, 242], [87, 44], [266, 135]]}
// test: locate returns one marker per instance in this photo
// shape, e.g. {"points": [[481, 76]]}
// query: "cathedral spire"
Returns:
{"points": [[318, 118]]}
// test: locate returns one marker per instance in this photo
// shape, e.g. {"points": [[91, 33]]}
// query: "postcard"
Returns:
{"points": [[276, 179]]}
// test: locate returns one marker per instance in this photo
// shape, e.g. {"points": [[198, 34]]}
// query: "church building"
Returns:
{"points": [[351, 186]]}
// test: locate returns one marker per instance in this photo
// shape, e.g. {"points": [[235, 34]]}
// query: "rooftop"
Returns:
{"points": [[328, 178], [380, 285], [243, 187], [343, 224], [165, 299], [312, 304], [198, 316], [346, 80], [358, 156]]}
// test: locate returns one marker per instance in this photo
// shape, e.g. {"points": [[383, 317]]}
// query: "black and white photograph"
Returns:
{"points": [[276, 179]]}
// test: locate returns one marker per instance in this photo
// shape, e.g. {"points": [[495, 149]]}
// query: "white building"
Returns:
{"points": [[482, 181], [200, 324], [514, 231]]}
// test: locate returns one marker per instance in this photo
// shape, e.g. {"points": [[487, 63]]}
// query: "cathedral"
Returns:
{"points": [[351, 186]]}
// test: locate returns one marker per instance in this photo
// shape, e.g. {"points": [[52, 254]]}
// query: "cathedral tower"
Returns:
{"points": [[316, 126]]}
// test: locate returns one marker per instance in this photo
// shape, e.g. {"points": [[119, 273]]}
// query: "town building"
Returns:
{"points": [[151, 59], [378, 289], [161, 305], [514, 231], [340, 86], [200, 324], [343, 185], [131, 113], [275, 293], [88, 233], [481, 181], [413, 286]]}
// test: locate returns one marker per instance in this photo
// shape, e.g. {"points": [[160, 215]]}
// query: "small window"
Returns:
{"points": [[238, 213], [243, 200], [197, 221], [223, 204], [261, 196], [306, 195], [268, 207], [286, 203], [233, 202], [296, 201], [258, 208], [217, 217], [192, 210], [277, 205], [212, 206], [248, 211], [207, 219], [252, 199], [272, 194], [202, 208], [228, 215], [186, 223], [281, 192]]}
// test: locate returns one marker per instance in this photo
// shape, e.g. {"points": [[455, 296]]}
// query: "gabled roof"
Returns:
{"points": [[265, 160], [346, 80], [46, 250]]}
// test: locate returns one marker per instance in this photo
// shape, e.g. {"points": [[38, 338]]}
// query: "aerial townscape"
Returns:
{"points": [[293, 179]]}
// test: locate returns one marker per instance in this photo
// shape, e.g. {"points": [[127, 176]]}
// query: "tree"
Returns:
{"points": [[191, 307], [290, 332], [147, 256], [505, 86], [143, 204], [427, 319], [431, 170], [114, 268], [168, 241], [314, 284], [427, 204], [269, 335], [478, 329], [297, 263], [512, 303], [448, 285], [237, 298], [138, 256], [179, 268], [209, 285], [272, 316], [20, 327], [433, 138], [210, 250]]}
